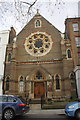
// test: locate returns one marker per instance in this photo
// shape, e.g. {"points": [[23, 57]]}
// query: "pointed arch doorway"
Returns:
{"points": [[39, 85]]}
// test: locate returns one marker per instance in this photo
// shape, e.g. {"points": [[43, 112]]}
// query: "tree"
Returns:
{"points": [[21, 11]]}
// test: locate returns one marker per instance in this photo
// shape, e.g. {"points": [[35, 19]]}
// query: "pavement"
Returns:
{"points": [[36, 109], [53, 111]]}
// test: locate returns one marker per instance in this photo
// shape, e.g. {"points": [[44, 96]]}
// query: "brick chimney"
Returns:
{"points": [[12, 35]]}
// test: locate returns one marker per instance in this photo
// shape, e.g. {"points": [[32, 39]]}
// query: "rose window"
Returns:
{"points": [[38, 44]]}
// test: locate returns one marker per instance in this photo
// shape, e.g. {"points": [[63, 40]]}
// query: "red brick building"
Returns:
{"points": [[41, 61], [73, 34]]}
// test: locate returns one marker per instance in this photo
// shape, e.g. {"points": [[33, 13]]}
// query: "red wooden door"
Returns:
{"points": [[39, 89]]}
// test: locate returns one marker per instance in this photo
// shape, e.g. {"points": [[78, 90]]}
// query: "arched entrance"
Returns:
{"points": [[39, 89], [39, 85]]}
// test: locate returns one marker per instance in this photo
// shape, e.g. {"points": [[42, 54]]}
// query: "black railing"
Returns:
{"points": [[42, 101]]}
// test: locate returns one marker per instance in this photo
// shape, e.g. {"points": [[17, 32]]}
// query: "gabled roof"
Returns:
{"points": [[37, 15]]}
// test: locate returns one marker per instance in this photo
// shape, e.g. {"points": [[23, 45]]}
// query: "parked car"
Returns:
{"points": [[11, 106], [73, 109]]}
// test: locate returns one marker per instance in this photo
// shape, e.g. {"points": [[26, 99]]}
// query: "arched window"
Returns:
{"points": [[39, 75], [21, 84], [7, 83], [9, 57], [57, 82], [38, 23], [72, 77], [68, 53]]}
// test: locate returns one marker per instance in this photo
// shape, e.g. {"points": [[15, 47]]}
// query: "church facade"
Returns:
{"points": [[39, 62]]}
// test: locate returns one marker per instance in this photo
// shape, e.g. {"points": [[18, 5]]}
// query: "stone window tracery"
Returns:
{"points": [[57, 82], [72, 77], [39, 75], [9, 57], [21, 84], [37, 23], [38, 44], [68, 53]]}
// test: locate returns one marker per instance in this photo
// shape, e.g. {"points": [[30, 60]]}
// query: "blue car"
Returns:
{"points": [[11, 105], [73, 109]]}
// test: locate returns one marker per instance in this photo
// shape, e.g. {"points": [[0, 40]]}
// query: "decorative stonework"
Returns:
{"points": [[38, 44]]}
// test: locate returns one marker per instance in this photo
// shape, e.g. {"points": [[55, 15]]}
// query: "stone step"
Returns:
{"points": [[35, 101]]}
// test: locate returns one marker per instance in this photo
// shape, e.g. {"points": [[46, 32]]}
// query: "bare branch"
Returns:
{"points": [[31, 5], [25, 3], [23, 10]]}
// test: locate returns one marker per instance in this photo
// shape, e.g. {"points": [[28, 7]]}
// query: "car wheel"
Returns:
{"points": [[77, 114], [8, 114]]}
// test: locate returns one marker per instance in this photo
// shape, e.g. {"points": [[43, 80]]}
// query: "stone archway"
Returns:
{"points": [[39, 83]]}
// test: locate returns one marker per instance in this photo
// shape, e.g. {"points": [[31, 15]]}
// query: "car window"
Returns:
{"points": [[23, 100], [11, 99], [3, 99]]}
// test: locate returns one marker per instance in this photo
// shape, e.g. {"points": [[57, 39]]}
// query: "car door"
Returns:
{"points": [[3, 100], [12, 102]]}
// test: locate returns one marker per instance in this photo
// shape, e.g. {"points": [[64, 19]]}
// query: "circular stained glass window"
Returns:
{"points": [[38, 44]]}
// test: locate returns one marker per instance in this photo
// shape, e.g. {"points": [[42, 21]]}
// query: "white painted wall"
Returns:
{"points": [[4, 37], [77, 72]]}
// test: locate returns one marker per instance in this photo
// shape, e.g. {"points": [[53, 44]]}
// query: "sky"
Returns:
{"points": [[55, 14], [57, 18]]}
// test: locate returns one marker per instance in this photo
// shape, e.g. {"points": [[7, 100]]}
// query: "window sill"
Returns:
{"points": [[69, 58], [57, 90]]}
